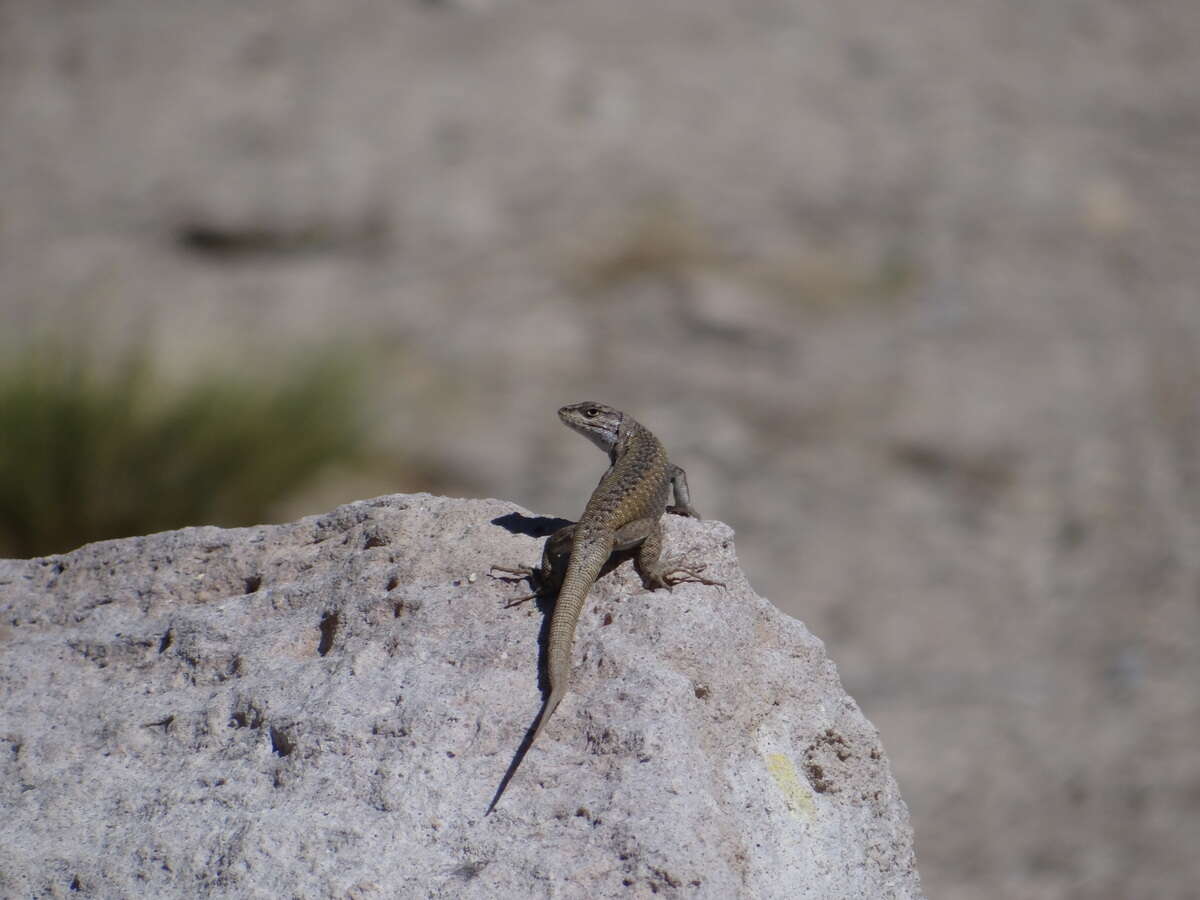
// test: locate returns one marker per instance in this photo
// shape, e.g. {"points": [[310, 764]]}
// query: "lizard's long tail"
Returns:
{"points": [[582, 570], [552, 701], [557, 692], [587, 558]]}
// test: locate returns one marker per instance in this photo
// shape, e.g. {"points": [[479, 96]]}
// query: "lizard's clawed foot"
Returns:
{"points": [[514, 574], [676, 574], [520, 571]]}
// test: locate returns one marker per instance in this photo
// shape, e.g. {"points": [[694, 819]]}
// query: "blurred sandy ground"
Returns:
{"points": [[911, 290]]}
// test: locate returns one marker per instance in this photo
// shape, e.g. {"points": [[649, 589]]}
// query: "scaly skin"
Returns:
{"points": [[623, 514]]}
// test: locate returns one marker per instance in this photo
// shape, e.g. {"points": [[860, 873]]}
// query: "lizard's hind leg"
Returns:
{"points": [[676, 574], [547, 579], [521, 574], [656, 574]]}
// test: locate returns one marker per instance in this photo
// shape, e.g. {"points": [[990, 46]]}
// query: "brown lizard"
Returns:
{"points": [[622, 515]]}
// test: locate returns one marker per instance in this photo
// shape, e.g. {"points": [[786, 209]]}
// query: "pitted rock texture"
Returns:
{"points": [[324, 709]]}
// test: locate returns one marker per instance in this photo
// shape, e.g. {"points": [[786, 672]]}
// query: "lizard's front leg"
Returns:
{"points": [[683, 501]]}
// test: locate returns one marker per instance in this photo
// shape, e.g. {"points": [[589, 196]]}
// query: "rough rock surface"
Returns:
{"points": [[325, 708]]}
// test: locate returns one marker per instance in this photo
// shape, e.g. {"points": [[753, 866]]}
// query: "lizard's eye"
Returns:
{"points": [[591, 412]]}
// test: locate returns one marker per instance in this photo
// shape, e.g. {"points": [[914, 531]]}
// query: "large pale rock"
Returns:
{"points": [[325, 708]]}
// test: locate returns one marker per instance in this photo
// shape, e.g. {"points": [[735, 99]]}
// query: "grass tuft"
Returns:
{"points": [[90, 452]]}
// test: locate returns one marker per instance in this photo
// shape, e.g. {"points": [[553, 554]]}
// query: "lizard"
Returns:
{"points": [[622, 517]]}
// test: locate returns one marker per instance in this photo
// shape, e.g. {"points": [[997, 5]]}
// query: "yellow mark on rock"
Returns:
{"points": [[798, 798]]}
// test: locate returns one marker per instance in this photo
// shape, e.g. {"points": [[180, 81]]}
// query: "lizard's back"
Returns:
{"points": [[635, 485]]}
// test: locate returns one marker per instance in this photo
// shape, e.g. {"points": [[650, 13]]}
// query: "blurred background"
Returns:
{"points": [[911, 291]]}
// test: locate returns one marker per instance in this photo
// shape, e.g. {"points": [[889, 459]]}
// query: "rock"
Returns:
{"points": [[325, 708]]}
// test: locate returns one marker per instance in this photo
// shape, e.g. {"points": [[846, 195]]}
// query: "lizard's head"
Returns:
{"points": [[598, 423]]}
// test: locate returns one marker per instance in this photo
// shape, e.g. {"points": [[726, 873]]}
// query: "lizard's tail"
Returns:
{"points": [[557, 692]]}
